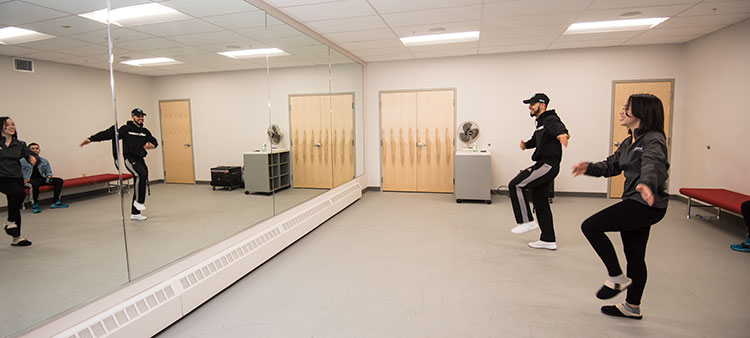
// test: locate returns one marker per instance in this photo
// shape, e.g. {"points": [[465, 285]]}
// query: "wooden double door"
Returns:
{"points": [[322, 140], [417, 140], [663, 89]]}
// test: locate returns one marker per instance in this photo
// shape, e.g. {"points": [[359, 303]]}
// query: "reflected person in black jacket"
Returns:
{"points": [[642, 156], [136, 140], [11, 179]]}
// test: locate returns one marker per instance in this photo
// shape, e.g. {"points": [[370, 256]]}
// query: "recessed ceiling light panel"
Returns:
{"points": [[254, 53], [15, 35], [614, 26], [161, 61], [435, 39], [136, 15]]}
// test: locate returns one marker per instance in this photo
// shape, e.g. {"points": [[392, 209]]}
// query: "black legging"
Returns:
{"points": [[12, 187], [137, 167], [633, 220], [745, 208]]}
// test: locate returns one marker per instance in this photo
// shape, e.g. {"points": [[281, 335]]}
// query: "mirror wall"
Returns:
{"points": [[93, 247]]}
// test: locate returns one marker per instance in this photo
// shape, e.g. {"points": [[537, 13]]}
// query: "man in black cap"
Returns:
{"points": [[548, 138], [136, 140]]}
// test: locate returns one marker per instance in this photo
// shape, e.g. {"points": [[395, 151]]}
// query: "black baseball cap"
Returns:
{"points": [[538, 97], [137, 112]]}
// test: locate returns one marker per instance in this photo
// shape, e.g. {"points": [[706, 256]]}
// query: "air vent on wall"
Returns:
{"points": [[22, 65]]}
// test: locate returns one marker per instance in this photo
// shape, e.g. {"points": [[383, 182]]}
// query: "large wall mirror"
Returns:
{"points": [[209, 113]]}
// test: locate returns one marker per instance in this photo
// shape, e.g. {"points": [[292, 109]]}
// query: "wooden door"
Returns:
{"points": [[342, 138], [398, 141], [621, 91], [177, 143], [435, 110], [311, 166]]}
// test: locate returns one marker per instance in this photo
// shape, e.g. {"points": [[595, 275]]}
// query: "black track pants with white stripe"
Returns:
{"points": [[537, 180], [137, 167]]}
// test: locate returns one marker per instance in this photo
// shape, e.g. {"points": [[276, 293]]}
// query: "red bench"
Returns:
{"points": [[717, 198], [110, 179]]}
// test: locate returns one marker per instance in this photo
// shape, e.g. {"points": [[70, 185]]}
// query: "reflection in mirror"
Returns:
{"points": [[77, 252], [348, 125], [207, 117], [300, 100]]}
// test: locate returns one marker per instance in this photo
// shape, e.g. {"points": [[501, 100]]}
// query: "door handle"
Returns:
{"points": [[420, 145], [617, 144], [317, 144], [187, 144]]}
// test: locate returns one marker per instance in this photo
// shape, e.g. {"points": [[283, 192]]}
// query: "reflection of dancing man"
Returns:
{"points": [[136, 139]]}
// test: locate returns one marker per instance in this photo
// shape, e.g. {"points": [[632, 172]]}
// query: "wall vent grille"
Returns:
{"points": [[23, 65]]}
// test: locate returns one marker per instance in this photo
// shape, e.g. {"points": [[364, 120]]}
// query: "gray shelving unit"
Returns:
{"points": [[266, 172], [472, 176]]}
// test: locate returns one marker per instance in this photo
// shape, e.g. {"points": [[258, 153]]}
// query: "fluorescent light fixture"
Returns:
{"points": [[434, 39], [132, 14], [151, 62], [614, 26], [14, 35], [254, 53]]}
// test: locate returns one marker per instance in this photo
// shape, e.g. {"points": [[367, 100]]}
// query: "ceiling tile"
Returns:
{"points": [[529, 21], [598, 36], [381, 51], [647, 12], [704, 20], [17, 13], [13, 50], [677, 31], [533, 7], [728, 7], [378, 34], [471, 45], [434, 16], [549, 30], [71, 7], [450, 27], [444, 53], [183, 27], [386, 44], [541, 39], [586, 44], [178, 51], [330, 10], [287, 3], [348, 24], [55, 26], [148, 44], [513, 48], [54, 43], [207, 38], [395, 6], [661, 40], [48, 56], [118, 35], [252, 19], [387, 57], [203, 8], [613, 4]]}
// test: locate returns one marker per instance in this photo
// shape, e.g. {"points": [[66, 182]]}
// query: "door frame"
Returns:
{"points": [[612, 120], [192, 139], [380, 122]]}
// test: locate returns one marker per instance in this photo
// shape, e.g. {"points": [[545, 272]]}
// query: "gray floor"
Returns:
{"points": [[78, 253], [420, 265]]}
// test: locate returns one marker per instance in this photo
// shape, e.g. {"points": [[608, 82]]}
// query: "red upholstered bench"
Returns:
{"points": [[110, 179], [717, 198]]}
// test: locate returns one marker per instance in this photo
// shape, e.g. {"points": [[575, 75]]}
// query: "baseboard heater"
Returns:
{"points": [[146, 306]]}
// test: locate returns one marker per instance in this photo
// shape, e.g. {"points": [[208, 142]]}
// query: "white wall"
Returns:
{"points": [[490, 89], [59, 105], [715, 111]]}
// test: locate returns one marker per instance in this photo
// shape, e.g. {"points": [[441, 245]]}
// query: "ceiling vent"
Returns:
{"points": [[22, 65]]}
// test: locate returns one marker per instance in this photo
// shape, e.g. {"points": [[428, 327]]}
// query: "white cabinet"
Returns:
{"points": [[472, 176], [266, 172]]}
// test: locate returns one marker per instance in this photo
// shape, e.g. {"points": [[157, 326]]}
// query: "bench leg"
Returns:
{"points": [[690, 204], [718, 215]]}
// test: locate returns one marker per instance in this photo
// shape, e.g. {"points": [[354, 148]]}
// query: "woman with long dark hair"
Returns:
{"points": [[11, 178], [642, 156]]}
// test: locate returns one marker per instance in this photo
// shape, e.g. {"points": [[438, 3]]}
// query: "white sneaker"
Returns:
{"points": [[139, 206], [543, 245], [525, 227], [138, 217]]}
